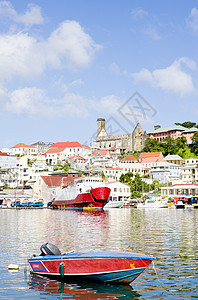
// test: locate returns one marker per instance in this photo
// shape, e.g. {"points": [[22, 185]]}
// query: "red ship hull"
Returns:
{"points": [[95, 199]]}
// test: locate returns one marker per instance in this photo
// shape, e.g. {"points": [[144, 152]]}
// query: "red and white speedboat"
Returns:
{"points": [[114, 267], [84, 193]]}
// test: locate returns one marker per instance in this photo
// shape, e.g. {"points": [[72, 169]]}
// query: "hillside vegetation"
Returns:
{"points": [[178, 146]]}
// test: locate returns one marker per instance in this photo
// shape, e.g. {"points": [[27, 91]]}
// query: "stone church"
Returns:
{"points": [[134, 141]]}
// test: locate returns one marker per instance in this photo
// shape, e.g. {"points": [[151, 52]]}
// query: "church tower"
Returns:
{"points": [[100, 125]]}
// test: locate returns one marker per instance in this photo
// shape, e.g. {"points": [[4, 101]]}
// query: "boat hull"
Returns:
{"points": [[102, 266], [95, 199]]}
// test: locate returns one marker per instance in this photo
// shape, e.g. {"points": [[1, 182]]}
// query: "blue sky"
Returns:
{"points": [[63, 64]]}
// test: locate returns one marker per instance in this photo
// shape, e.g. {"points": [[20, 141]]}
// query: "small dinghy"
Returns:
{"points": [[114, 267]]}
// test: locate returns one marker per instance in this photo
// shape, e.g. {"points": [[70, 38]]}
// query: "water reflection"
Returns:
{"points": [[81, 291], [169, 235]]}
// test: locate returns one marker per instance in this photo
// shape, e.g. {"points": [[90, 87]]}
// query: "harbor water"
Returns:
{"points": [[170, 235]]}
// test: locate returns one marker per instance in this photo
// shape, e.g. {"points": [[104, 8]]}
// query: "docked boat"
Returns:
{"points": [[114, 267], [180, 202], [192, 202], [149, 203], [113, 204], [84, 193]]}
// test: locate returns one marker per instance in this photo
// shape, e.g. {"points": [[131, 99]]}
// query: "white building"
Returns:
{"points": [[166, 172], [189, 172], [78, 163], [59, 152], [179, 189], [23, 149], [153, 165], [112, 174], [45, 187], [119, 191], [7, 161]]}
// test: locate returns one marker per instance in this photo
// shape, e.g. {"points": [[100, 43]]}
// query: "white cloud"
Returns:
{"points": [[109, 104], [34, 102], [69, 46], [25, 57], [31, 17], [138, 13], [171, 79], [192, 20], [152, 33], [77, 82], [20, 56], [28, 101], [114, 68]]}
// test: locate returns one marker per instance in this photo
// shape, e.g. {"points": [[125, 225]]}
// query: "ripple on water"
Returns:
{"points": [[169, 235]]}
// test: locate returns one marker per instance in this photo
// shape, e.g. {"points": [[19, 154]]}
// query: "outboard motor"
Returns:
{"points": [[49, 249]]}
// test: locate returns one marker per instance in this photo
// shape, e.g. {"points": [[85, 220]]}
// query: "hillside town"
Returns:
{"points": [[36, 172]]}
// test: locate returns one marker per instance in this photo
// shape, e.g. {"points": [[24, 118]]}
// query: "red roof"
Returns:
{"points": [[151, 160], [56, 181], [3, 154], [52, 181], [75, 157], [101, 152], [66, 145], [129, 158], [22, 145], [150, 154], [55, 150]]}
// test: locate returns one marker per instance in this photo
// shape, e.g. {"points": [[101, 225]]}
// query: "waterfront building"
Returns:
{"points": [[134, 141], [45, 187], [179, 189], [119, 191]]}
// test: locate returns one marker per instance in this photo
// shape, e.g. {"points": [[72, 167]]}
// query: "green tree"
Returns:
{"points": [[103, 176], [126, 178], [152, 145], [187, 124], [194, 146], [66, 167]]}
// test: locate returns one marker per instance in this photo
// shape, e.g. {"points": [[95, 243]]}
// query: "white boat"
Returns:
{"points": [[149, 203], [113, 204], [179, 204]]}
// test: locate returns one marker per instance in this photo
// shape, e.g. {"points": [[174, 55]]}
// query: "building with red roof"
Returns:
{"points": [[7, 161], [129, 159], [150, 154], [23, 149], [59, 152], [45, 187]]}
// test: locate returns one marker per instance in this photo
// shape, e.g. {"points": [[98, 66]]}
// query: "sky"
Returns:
{"points": [[65, 63]]}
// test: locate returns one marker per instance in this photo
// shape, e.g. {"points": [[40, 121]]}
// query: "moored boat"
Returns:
{"points": [[179, 202], [149, 203], [115, 267], [113, 204], [85, 193]]}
